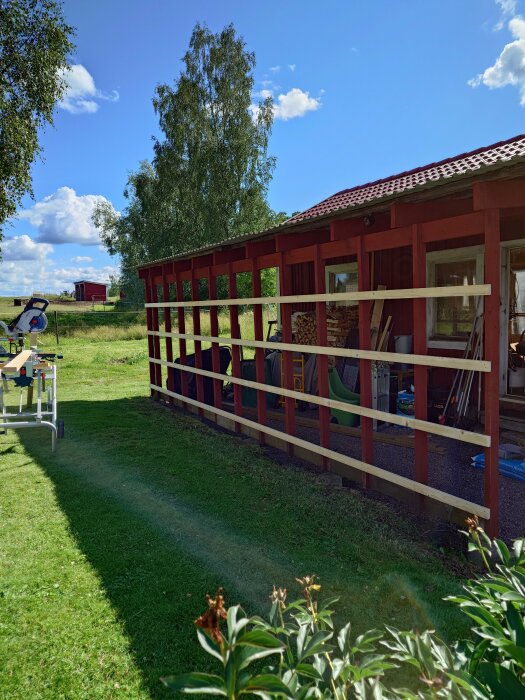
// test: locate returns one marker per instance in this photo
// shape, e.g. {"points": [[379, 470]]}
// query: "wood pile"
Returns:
{"points": [[340, 320], [304, 328]]}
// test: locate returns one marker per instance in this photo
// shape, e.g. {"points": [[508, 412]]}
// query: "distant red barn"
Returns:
{"points": [[90, 291]]}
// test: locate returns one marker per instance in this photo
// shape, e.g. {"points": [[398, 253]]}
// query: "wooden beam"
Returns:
{"points": [[201, 261], [426, 360], [466, 290], [321, 401], [258, 334], [491, 331], [229, 255], [408, 213], [287, 381], [365, 364], [413, 486], [457, 227], [256, 248], [16, 363], [419, 313], [322, 360], [499, 195], [293, 241], [236, 333]]}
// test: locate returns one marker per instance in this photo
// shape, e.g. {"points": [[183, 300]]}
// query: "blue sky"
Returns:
{"points": [[362, 90]]}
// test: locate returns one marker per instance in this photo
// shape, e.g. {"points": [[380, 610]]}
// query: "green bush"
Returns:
{"points": [[297, 652]]}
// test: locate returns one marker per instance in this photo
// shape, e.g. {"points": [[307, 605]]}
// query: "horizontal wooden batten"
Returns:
{"points": [[414, 486], [425, 360], [414, 423], [467, 290]]}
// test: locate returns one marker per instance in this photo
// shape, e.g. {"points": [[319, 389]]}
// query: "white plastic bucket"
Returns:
{"points": [[403, 344]]}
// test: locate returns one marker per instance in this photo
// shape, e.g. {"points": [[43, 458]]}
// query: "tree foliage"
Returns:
{"points": [[210, 173], [34, 45]]}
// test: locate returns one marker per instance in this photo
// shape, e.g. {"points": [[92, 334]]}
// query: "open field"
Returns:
{"points": [[108, 547]]}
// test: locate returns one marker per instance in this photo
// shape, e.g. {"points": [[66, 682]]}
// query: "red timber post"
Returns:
{"points": [[149, 324], [322, 360], [259, 352], [285, 279], [365, 366], [155, 326], [182, 342], [196, 314], [167, 322], [491, 341], [236, 350], [214, 331], [419, 279]]}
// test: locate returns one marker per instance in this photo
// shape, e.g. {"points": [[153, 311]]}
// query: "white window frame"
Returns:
{"points": [[337, 269], [449, 255]]}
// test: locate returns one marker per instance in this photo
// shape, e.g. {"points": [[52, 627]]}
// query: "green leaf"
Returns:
{"points": [[261, 639], [309, 671], [208, 644], [316, 644], [515, 621], [503, 551], [343, 638], [267, 683], [501, 681], [249, 654], [196, 683]]}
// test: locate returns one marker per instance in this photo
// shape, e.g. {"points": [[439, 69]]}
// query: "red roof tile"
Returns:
{"points": [[464, 164]]}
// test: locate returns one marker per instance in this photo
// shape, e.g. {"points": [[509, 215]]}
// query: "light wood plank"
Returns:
{"points": [[467, 290], [406, 422], [414, 486], [392, 357], [17, 362]]}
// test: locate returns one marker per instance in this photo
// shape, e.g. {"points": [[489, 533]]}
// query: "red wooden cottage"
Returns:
{"points": [[91, 291], [442, 249]]}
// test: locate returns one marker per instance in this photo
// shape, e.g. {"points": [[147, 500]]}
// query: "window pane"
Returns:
{"points": [[455, 315]]}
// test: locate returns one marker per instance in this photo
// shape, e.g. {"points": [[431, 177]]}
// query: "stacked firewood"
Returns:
{"points": [[340, 320], [304, 328]]}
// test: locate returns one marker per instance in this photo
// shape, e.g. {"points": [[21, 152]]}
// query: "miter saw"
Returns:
{"points": [[27, 370], [31, 320]]}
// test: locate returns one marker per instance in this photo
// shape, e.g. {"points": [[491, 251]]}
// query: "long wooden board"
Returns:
{"points": [[377, 436], [425, 360], [17, 362], [410, 484], [466, 290], [413, 423]]}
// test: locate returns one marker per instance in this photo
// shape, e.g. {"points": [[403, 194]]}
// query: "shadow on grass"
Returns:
{"points": [[166, 509], [148, 574]]}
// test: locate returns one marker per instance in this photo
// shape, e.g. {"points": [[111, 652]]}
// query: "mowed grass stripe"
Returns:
{"points": [[157, 509]]}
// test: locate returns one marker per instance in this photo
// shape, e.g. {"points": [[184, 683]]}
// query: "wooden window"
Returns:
{"points": [[342, 278], [449, 320]]}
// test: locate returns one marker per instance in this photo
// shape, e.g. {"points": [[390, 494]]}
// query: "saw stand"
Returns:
{"points": [[26, 371]]}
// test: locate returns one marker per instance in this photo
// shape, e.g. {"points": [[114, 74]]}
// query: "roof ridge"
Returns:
{"points": [[421, 168]]}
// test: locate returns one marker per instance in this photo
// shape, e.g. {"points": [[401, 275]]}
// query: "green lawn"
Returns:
{"points": [[108, 546]]}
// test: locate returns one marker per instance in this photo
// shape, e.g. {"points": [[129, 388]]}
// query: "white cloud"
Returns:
{"points": [[509, 68], [275, 69], [81, 259], [24, 279], [81, 92], [292, 66], [24, 248], [508, 9], [295, 103], [65, 217]]}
